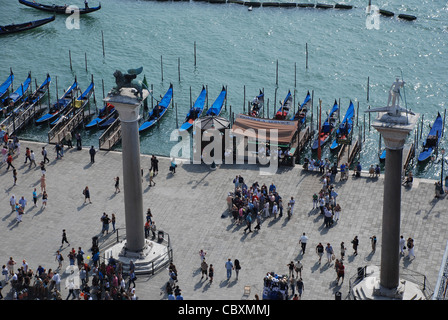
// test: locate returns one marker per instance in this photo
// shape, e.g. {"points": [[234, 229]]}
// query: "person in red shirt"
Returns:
{"points": [[9, 162]]}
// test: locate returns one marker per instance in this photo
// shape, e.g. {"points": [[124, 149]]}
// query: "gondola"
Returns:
{"points": [[104, 113], [10, 101], [65, 9], [216, 107], [35, 97], [79, 104], [195, 112], [158, 111], [107, 123], [345, 128], [59, 106], [285, 105], [302, 111], [13, 28], [256, 105], [4, 87], [327, 128], [432, 141]]}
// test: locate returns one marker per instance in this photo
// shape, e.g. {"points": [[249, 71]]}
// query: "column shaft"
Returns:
{"points": [[389, 277]]}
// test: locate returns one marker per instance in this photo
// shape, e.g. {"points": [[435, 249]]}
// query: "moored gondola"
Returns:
{"points": [[65, 9], [13, 28]]}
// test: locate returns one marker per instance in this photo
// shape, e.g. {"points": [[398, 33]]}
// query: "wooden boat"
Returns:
{"points": [[13, 28], [59, 106], [195, 112], [10, 101], [327, 127], [103, 114], [432, 141], [304, 107], [158, 111], [285, 105], [257, 105], [65, 9], [4, 87], [216, 107], [35, 97], [345, 128], [78, 104], [106, 124]]}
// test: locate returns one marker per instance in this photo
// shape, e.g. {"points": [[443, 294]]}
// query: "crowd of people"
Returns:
{"points": [[93, 279], [256, 203]]}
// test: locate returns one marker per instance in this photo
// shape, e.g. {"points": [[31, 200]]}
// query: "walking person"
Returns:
{"points": [[45, 155], [155, 164], [355, 243], [43, 183], [92, 153], [44, 199], [248, 223], [27, 155], [402, 245], [68, 140], [59, 258], [229, 267], [292, 285], [373, 242], [32, 159], [86, 193], [204, 269], [202, 254], [12, 202], [117, 184], [320, 251], [78, 141], [9, 160], [258, 226], [340, 272], [342, 251], [23, 202], [290, 268], [64, 238], [151, 178], [303, 241], [298, 267], [14, 175], [211, 272], [330, 252], [237, 267], [10, 264], [113, 220], [300, 287], [337, 212], [35, 197], [410, 245]]}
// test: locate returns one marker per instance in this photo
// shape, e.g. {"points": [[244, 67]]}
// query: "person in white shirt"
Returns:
{"points": [[303, 240], [402, 245], [291, 204]]}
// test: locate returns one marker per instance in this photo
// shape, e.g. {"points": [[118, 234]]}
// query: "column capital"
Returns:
{"points": [[395, 129], [127, 103]]}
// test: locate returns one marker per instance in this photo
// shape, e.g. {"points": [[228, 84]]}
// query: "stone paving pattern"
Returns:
{"points": [[189, 207]]}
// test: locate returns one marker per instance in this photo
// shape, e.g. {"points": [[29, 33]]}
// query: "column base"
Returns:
{"points": [[369, 288], [148, 259]]}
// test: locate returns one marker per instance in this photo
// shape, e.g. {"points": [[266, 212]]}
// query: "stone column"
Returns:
{"points": [[128, 107], [394, 129]]}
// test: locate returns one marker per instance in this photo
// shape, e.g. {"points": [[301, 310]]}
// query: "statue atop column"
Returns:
{"points": [[127, 81], [394, 93]]}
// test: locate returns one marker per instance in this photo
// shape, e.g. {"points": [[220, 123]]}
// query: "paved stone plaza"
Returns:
{"points": [[189, 207]]}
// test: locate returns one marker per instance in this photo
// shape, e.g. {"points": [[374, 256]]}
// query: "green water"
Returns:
{"points": [[239, 49]]}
